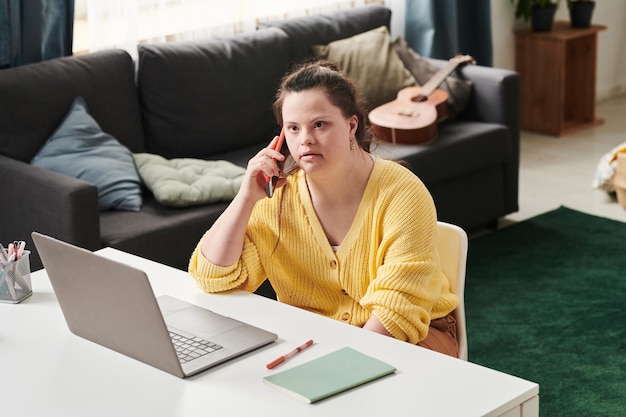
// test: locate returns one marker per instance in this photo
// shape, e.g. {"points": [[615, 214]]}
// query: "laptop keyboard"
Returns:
{"points": [[189, 349]]}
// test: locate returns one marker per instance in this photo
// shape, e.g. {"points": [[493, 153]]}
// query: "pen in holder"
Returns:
{"points": [[15, 284]]}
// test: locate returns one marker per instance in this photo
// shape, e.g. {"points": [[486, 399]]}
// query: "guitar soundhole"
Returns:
{"points": [[419, 98]]}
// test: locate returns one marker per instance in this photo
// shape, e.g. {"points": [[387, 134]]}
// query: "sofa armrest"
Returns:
{"points": [[495, 98], [495, 94], [36, 199]]}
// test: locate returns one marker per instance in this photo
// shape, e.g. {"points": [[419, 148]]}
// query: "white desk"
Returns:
{"points": [[47, 371]]}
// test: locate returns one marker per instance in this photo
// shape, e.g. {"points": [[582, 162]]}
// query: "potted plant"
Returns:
{"points": [[539, 12], [580, 12]]}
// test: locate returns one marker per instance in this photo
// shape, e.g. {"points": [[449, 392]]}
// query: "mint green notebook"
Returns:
{"points": [[329, 375]]}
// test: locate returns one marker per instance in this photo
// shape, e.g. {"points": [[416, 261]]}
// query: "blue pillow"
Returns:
{"points": [[80, 149]]}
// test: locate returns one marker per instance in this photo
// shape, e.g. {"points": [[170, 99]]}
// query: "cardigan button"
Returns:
{"points": [[333, 264], [345, 316]]}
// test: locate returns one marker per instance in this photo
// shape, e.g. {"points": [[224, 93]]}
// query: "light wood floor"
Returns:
{"points": [[558, 171]]}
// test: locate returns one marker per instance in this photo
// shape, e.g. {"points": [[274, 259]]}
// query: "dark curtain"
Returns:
{"points": [[444, 28], [35, 30]]}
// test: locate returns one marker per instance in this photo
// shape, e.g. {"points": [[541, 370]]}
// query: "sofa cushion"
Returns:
{"points": [[203, 98], [164, 234], [34, 99], [184, 182], [458, 90], [372, 62], [80, 149], [460, 148], [322, 29]]}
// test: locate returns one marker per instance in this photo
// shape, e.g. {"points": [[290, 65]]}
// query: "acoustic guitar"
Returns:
{"points": [[413, 116]]}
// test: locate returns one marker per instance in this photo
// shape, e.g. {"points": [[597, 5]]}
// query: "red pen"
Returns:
{"points": [[283, 358]]}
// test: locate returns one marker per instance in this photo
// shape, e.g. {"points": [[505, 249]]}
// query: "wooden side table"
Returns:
{"points": [[557, 78]]}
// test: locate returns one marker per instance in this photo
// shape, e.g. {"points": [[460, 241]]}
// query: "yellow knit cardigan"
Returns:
{"points": [[387, 263]]}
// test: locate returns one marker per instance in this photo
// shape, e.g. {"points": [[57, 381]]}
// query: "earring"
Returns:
{"points": [[352, 144]]}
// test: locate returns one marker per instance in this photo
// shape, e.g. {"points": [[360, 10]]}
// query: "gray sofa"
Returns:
{"points": [[212, 100]]}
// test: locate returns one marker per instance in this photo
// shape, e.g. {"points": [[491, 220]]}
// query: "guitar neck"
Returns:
{"points": [[438, 78]]}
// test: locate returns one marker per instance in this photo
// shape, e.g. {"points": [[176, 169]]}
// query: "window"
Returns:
{"points": [[101, 24]]}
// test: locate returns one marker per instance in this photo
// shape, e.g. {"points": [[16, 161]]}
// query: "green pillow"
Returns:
{"points": [[183, 182], [80, 149], [371, 61]]}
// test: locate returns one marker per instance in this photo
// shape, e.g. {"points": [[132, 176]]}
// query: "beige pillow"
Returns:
{"points": [[458, 90], [372, 62]]}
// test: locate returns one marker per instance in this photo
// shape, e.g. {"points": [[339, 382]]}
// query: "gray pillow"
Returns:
{"points": [[80, 149], [458, 90]]}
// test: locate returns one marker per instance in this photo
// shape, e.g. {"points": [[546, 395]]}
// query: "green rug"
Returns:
{"points": [[546, 301]]}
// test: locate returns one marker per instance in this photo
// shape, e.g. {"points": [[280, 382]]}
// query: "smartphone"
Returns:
{"points": [[281, 147]]}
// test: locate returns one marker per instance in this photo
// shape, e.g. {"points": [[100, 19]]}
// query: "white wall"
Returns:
{"points": [[611, 72]]}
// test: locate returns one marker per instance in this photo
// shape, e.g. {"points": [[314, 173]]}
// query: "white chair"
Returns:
{"points": [[452, 246]]}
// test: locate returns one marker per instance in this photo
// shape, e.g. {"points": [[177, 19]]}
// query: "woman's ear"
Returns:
{"points": [[354, 124]]}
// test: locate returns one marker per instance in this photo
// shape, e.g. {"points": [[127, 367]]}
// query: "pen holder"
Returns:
{"points": [[15, 284]]}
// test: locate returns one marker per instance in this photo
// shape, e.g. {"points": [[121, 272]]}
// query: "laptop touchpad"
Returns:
{"points": [[201, 322]]}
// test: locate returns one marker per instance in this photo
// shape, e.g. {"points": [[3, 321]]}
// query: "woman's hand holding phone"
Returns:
{"points": [[269, 160], [223, 243]]}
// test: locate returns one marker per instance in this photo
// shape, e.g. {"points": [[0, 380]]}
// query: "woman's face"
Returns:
{"points": [[317, 133]]}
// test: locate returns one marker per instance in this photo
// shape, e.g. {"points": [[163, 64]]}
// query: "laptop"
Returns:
{"points": [[113, 305]]}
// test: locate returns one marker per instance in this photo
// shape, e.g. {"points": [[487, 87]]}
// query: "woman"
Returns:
{"points": [[348, 235]]}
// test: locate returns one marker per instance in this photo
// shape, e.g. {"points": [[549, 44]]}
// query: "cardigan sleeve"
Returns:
{"points": [[249, 272], [409, 288], [246, 274]]}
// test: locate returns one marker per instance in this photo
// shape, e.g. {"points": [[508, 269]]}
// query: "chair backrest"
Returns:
{"points": [[452, 244]]}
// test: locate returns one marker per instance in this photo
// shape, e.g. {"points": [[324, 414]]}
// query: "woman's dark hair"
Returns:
{"points": [[340, 89]]}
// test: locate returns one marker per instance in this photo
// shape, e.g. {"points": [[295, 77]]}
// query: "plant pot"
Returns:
{"points": [[542, 18], [580, 13]]}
